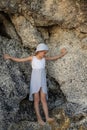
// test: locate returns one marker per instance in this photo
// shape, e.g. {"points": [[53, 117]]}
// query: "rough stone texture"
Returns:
{"points": [[12, 82], [59, 23], [26, 125], [49, 12], [71, 70], [14, 87], [7, 28], [29, 34]]}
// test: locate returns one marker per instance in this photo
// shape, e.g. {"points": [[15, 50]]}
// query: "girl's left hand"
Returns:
{"points": [[63, 51]]}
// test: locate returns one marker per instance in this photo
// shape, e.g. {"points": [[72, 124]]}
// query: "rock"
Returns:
{"points": [[12, 83], [26, 125], [50, 12], [29, 35], [84, 43], [59, 23], [7, 28], [64, 120], [14, 86], [70, 71]]}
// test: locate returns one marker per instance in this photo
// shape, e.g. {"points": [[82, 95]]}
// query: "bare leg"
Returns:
{"points": [[36, 106], [45, 107]]}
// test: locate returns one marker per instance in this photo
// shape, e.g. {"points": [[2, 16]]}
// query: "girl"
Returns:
{"points": [[38, 86]]}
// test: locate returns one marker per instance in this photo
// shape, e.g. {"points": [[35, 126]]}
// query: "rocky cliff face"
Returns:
{"points": [[58, 23]]}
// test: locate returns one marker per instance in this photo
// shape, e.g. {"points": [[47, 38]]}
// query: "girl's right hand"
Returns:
{"points": [[6, 56]]}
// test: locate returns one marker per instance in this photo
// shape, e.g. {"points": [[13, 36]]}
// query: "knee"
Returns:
{"points": [[43, 99], [36, 100]]}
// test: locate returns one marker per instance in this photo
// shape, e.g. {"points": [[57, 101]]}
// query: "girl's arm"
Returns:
{"points": [[6, 56], [63, 52]]}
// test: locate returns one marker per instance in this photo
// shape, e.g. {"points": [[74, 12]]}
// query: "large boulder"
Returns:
{"points": [[71, 70], [69, 14], [59, 23], [29, 35], [7, 28], [13, 87]]}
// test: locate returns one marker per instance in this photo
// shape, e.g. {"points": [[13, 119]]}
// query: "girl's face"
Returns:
{"points": [[42, 53]]}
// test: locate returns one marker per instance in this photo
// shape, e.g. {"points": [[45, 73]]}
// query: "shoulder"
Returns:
{"points": [[47, 58], [30, 58]]}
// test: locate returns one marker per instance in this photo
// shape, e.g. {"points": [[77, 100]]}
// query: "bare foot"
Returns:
{"points": [[49, 120], [41, 122]]}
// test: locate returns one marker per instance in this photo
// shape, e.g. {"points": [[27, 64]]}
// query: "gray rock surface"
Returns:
{"points": [[29, 35], [59, 23], [12, 82], [71, 70]]}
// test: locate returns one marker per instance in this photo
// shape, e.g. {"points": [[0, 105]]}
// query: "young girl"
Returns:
{"points": [[38, 85]]}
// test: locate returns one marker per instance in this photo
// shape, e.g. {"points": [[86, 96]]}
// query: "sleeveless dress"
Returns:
{"points": [[38, 77]]}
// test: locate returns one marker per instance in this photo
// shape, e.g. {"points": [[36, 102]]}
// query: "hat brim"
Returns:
{"points": [[42, 50]]}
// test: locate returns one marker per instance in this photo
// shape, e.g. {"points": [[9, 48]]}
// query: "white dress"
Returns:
{"points": [[38, 77]]}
